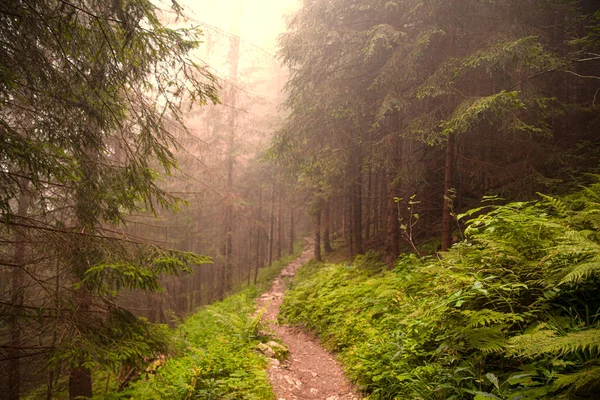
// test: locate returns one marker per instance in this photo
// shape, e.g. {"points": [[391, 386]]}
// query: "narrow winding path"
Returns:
{"points": [[310, 371]]}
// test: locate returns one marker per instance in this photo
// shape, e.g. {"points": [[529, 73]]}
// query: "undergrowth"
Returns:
{"points": [[213, 352], [512, 312]]}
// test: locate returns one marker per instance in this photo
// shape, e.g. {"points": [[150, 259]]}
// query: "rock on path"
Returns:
{"points": [[310, 372]]}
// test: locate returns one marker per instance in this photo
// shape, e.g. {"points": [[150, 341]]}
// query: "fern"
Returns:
{"points": [[548, 342], [486, 317], [580, 384], [582, 272], [487, 339], [556, 203]]}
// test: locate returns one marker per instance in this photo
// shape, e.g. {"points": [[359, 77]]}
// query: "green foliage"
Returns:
{"points": [[143, 272], [211, 355], [214, 357], [511, 312]]}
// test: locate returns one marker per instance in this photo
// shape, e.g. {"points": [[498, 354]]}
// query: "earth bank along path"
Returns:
{"points": [[310, 372]]}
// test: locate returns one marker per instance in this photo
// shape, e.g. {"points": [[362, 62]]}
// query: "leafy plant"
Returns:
{"points": [[510, 312]]}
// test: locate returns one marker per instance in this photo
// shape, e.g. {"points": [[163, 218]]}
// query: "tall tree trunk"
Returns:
{"points": [[358, 231], [317, 235], [272, 228], [258, 235], [392, 250], [17, 298], [279, 224], [292, 233], [448, 184], [368, 205], [80, 377], [80, 382], [54, 372], [228, 245], [326, 225], [344, 216], [376, 201], [350, 219], [384, 203]]}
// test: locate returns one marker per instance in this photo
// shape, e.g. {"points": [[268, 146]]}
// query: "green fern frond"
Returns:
{"points": [[548, 342], [486, 317], [556, 203], [487, 339], [582, 272], [577, 379]]}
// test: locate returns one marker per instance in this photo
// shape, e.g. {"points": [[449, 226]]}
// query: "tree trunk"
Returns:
{"points": [[317, 234], [392, 250], [376, 201], [358, 231], [80, 377], [258, 235], [326, 225], [279, 224], [383, 204], [350, 218], [292, 233], [272, 228], [17, 298], [448, 184], [368, 206], [80, 383]]}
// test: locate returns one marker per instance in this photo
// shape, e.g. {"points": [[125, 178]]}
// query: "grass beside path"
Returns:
{"points": [[214, 354]]}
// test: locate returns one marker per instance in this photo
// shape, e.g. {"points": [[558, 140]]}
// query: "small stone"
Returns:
{"points": [[280, 350], [266, 350], [274, 362]]}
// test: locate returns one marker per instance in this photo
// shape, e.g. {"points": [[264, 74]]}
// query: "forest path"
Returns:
{"points": [[310, 372]]}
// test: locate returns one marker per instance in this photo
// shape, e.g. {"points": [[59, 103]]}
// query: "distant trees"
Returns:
{"points": [[88, 93], [444, 100]]}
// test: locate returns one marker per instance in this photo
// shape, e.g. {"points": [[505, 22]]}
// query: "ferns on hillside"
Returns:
{"points": [[511, 312]]}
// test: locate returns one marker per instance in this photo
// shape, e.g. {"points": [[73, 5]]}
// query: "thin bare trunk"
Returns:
{"points": [[292, 233], [17, 297], [448, 185], [368, 206], [272, 229], [317, 234], [279, 224], [358, 231], [326, 225], [391, 249], [258, 235]]}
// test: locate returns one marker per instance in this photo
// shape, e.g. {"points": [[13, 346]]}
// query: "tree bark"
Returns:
{"points": [[272, 228], [392, 250], [317, 235], [80, 377], [17, 298], [448, 184], [279, 223], [292, 233], [358, 231], [80, 383], [376, 202], [326, 225], [368, 206], [258, 235]]}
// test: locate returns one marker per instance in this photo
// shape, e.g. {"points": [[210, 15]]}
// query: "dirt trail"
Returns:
{"points": [[310, 371]]}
